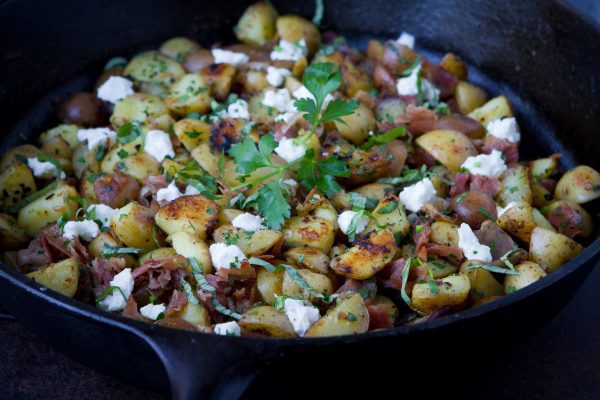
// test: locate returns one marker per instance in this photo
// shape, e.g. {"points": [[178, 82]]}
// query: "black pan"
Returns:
{"points": [[540, 53]]}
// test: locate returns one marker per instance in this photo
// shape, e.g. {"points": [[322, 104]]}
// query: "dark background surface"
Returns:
{"points": [[561, 361]]}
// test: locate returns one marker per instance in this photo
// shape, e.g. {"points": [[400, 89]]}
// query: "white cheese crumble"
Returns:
{"points": [[290, 150], [408, 86], [406, 39], [115, 301], [86, 230], [229, 57], [345, 218], [237, 109], [153, 311], [226, 256], [279, 100], [300, 315], [415, 196], [102, 213], [96, 137], [505, 128], [490, 165], [472, 249], [502, 210], [291, 185], [115, 88], [43, 169], [158, 144], [276, 76], [230, 328], [248, 222], [172, 192], [288, 51]]}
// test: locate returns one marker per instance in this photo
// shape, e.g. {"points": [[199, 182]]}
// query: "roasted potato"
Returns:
{"points": [[356, 126], [138, 166], [495, 108], [161, 252], [67, 132], [453, 64], [293, 28], [389, 213], [189, 245], [308, 257], [269, 284], [266, 321], [189, 94], [97, 245], [451, 148], [518, 221], [192, 132], [451, 291], [319, 282], [178, 48], [47, 209], [207, 159], [194, 214], [12, 236], [308, 231], [543, 168], [468, 97], [62, 276], [551, 250], [516, 186], [483, 283], [252, 243], [16, 182], [348, 317], [257, 25], [195, 314], [134, 226], [445, 233], [139, 107], [570, 219], [529, 273], [580, 184], [154, 68]]}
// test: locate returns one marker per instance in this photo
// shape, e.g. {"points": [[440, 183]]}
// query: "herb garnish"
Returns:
{"points": [[115, 251]]}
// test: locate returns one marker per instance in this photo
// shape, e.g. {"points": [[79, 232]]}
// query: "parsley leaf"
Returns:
{"points": [[384, 138], [272, 204], [249, 158], [321, 173], [338, 108], [129, 132]]}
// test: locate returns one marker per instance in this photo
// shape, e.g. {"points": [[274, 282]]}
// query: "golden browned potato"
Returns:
{"points": [[580, 184], [468, 97], [516, 186], [451, 148], [189, 245], [257, 25], [440, 268], [252, 243], [59, 149], [451, 291], [390, 214], [266, 321], [308, 257], [161, 252], [541, 221], [12, 236], [356, 126], [544, 167], [551, 250], [518, 221], [495, 108], [97, 245], [189, 94], [368, 255], [528, 273], [47, 209], [117, 153], [540, 196], [308, 231], [62, 276], [16, 182], [219, 78], [194, 214], [195, 314], [134, 226], [483, 283], [139, 107], [445, 233], [154, 68], [453, 64], [348, 317], [10, 156], [293, 28], [207, 159], [178, 48], [269, 284], [319, 282], [355, 79], [67, 132], [192, 132], [138, 166]]}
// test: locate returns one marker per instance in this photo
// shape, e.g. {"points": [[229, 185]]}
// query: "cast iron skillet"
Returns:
{"points": [[541, 54]]}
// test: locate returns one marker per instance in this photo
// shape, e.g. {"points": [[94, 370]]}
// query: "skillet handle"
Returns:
{"points": [[207, 366]]}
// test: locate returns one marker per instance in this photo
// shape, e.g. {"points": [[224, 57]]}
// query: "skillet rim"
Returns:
{"points": [[591, 254]]}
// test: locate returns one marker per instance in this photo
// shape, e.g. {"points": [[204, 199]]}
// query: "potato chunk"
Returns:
{"points": [[62, 276], [194, 214], [348, 317]]}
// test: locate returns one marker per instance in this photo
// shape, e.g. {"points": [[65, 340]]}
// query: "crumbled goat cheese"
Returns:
{"points": [[158, 144], [288, 51], [406, 39], [276, 76], [97, 137], [505, 128], [230, 328], [43, 169], [290, 150], [172, 192], [153, 311], [102, 213], [408, 86], [248, 222], [226, 256], [237, 109], [229, 57], [490, 165], [115, 88], [85, 230], [117, 299], [300, 315], [345, 218], [415, 196], [472, 249]]}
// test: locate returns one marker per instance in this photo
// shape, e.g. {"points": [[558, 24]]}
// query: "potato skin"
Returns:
{"points": [[551, 250], [293, 28], [134, 226], [309, 231], [518, 221], [516, 186], [266, 321], [495, 108], [257, 25], [452, 291], [470, 205], [367, 257], [451, 148], [529, 273], [319, 282], [308, 257], [194, 214], [189, 245], [468, 97], [47, 209], [16, 182], [580, 185], [269, 284], [356, 127], [348, 317], [251, 243], [62, 276]]}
